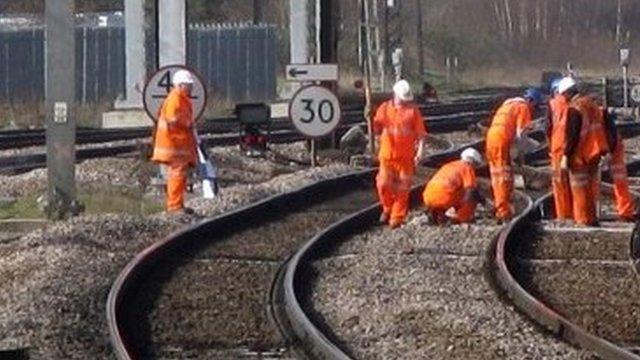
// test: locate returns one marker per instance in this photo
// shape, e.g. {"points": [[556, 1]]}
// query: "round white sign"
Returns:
{"points": [[315, 111], [635, 94], [161, 83]]}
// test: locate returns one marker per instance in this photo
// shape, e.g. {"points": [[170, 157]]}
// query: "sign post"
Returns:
{"points": [[59, 105], [624, 61], [315, 112]]}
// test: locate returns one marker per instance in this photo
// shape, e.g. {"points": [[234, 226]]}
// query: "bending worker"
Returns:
{"points": [[586, 143], [454, 186], [402, 130], [175, 144], [508, 126], [625, 203], [556, 129]]}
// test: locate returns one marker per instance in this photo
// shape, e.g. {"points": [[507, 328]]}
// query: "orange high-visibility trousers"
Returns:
{"points": [[393, 183], [499, 160], [561, 191], [584, 191], [625, 203], [437, 206], [176, 185]]}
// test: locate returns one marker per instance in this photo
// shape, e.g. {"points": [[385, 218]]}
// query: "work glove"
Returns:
{"points": [[417, 160], [605, 162], [564, 163]]}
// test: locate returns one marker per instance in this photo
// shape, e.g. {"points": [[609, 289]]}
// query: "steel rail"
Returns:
{"points": [[22, 163], [15, 139], [533, 307], [136, 268], [296, 323]]}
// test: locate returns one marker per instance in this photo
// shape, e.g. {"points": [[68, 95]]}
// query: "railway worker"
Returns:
{"points": [[625, 203], [507, 129], [175, 143], [586, 143], [454, 186], [556, 128], [402, 132]]}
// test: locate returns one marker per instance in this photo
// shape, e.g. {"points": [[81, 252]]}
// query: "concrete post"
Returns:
{"points": [[59, 106], [172, 32], [136, 68], [299, 31]]}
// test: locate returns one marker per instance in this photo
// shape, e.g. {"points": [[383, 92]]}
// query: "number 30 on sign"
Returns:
{"points": [[315, 111]]}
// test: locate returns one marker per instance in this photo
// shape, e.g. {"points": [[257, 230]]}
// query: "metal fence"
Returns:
{"points": [[237, 62]]}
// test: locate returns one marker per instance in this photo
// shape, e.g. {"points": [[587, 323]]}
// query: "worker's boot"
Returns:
{"points": [[395, 223], [384, 218]]}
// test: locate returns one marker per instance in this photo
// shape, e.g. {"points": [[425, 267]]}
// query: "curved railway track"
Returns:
{"points": [[169, 300], [158, 309], [581, 284], [578, 283]]}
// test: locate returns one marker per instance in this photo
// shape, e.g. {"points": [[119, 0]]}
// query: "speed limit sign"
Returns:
{"points": [[315, 111], [161, 83]]}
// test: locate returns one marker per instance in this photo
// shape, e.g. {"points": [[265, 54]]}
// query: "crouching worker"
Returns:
{"points": [[454, 186]]}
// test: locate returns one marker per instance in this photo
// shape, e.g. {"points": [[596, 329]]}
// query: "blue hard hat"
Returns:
{"points": [[534, 95], [555, 83]]}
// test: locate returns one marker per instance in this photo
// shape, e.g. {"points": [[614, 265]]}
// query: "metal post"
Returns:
{"points": [[257, 12], [172, 32], [319, 30], [625, 85], [605, 93], [135, 54], [60, 119], [419, 40]]}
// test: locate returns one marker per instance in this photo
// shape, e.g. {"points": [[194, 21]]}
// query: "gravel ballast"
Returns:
{"points": [[55, 281], [423, 292], [597, 288]]}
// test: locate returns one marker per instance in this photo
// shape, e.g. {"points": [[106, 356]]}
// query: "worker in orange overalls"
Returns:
{"points": [[507, 127], [586, 143], [556, 128], [625, 203], [454, 186], [402, 130], [175, 143]]}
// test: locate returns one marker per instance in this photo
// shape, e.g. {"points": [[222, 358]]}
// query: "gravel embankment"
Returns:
{"points": [[124, 172], [423, 292], [55, 281]]}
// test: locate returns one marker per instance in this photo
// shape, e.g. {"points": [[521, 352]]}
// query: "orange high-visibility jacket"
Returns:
{"points": [[559, 108], [514, 114], [593, 137], [178, 143], [448, 186], [401, 128]]}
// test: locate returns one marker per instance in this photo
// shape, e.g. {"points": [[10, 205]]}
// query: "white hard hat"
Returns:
{"points": [[182, 77], [402, 90], [472, 156], [566, 84]]}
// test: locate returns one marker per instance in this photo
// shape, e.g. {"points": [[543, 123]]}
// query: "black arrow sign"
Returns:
{"points": [[293, 72]]}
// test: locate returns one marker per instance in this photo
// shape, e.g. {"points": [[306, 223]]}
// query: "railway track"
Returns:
{"points": [[15, 139], [578, 283], [165, 303], [168, 302], [22, 163]]}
